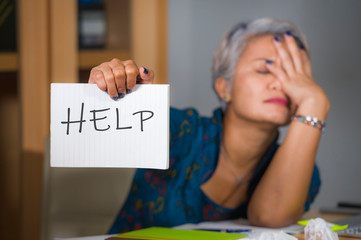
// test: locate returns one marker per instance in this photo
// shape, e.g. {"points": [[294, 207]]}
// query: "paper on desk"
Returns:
{"points": [[89, 129], [240, 224]]}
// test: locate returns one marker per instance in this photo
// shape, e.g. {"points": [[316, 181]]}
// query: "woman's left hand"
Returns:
{"points": [[293, 69]]}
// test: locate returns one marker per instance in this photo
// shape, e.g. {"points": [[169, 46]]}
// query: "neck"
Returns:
{"points": [[246, 141]]}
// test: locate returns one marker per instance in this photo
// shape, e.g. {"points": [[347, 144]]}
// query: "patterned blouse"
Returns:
{"points": [[173, 197]]}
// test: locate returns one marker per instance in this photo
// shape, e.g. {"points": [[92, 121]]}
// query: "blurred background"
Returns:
{"points": [[44, 41]]}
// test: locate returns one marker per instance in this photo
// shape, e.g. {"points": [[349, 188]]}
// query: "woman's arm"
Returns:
{"points": [[281, 194]]}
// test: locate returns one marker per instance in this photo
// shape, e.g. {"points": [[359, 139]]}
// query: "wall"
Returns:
{"points": [[333, 29]]}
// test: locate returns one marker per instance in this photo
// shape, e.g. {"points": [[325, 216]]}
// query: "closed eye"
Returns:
{"points": [[263, 71]]}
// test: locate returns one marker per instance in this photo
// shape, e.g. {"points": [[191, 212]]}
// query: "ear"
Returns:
{"points": [[222, 89]]}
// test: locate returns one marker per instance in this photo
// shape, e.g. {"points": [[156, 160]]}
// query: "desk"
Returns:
{"points": [[311, 214]]}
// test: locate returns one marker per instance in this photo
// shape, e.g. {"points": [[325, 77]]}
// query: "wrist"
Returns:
{"points": [[311, 121], [318, 107]]}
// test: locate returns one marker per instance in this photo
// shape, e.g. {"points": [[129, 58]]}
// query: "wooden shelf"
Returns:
{"points": [[87, 58], [8, 62], [92, 58]]}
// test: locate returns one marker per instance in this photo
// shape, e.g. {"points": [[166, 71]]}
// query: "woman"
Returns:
{"points": [[230, 165]]}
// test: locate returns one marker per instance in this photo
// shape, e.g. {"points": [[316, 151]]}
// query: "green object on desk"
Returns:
{"points": [[335, 227], [163, 233]]}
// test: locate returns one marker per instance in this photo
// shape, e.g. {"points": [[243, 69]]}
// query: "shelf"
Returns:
{"points": [[87, 58], [8, 62], [92, 58]]}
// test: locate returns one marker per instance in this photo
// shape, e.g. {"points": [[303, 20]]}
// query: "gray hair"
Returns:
{"points": [[236, 39]]}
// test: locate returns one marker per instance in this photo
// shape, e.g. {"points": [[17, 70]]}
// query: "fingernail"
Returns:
{"points": [[288, 33], [115, 98], [268, 62], [145, 70], [121, 95], [128, 91], [276, 39]]}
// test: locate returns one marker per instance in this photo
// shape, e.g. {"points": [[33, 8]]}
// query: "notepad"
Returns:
{"points": [[175, 234], [89, 129]]}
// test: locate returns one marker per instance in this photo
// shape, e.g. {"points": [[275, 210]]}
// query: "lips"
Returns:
{"points": [[279, 101]]}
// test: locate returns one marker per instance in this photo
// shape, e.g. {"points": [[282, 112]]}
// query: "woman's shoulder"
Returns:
{"points": [[184, 125], [191, 119], [191, 132], [193, 113], [184, 112]]}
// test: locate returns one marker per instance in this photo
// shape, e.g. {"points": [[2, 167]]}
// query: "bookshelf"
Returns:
{"points": [[91, 58], [48, 52], [87, 58], [10, 210], [8, 62]]}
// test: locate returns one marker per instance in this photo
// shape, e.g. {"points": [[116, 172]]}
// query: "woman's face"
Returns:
{"points": [[257, 94]]}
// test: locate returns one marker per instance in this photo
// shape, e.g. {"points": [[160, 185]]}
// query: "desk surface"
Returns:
{"points": [[311, 214]]}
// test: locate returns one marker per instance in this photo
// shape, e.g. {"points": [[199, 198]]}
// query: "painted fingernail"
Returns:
{"points": [[128, 91], [288, 33], [145, 70], [115, 98], [276, 39], [268, 62], [121, 95]]}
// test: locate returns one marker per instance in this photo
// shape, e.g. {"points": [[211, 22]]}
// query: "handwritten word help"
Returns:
{"points": [[98, 118]]}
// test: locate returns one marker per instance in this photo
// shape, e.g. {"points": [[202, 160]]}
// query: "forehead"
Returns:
{"points": [[259, 47]]}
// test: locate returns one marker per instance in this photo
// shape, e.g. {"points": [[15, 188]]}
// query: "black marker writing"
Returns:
{"points": [[80, 121], [94, 119], [100, 119], [142, 119], [119, 128]]}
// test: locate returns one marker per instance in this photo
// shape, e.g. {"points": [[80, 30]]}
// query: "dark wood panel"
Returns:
{"points": [[9, 157]]}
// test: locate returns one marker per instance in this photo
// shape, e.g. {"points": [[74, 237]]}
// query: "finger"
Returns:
{"points": [[306, 63], [145, 76], [119, 74], [286, 60], [132, 72], [277, 71], [97, 77], [294, 52], [109, 80]]}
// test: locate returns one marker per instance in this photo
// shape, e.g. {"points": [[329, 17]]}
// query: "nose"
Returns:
{"points": [[275, 83]]}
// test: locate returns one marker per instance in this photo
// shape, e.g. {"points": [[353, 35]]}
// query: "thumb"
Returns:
{"points": [[146, 76]]}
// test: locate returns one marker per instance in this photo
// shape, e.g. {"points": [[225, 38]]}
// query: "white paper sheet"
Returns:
{"points": [[240, 224], [89, 129]]}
